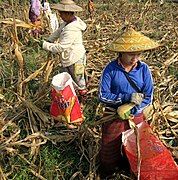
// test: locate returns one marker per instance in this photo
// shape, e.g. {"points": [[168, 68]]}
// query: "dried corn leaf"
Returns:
{"points": [[6, 125], [48, 70], [173, 114], [174, 120], [19, 23], [92, 90], [19, 56], [60, 138], [171, 60], [34, 75], [2, 97], [35, 149], [11, 150], [37, 175], [3, 177], [38, 112], [28, 141], [12, 138]]}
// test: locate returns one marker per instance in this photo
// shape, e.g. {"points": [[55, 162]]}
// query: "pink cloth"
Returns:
{"points": [[34, 11]]}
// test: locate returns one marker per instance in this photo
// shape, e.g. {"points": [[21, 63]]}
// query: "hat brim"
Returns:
{"points": [[67, 8], [132, 48]]}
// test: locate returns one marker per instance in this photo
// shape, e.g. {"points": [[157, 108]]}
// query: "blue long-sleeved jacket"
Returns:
{"points": [[114, 88]]}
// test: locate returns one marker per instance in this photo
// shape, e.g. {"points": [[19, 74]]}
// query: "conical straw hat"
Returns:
{"points": [[67, 5], [133, 41]]}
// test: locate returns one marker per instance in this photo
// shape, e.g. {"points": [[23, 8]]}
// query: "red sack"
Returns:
{"points": [[64, 99], [157, 162]]}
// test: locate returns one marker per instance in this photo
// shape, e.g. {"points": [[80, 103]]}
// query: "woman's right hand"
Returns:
{"points": [[137, 98]]}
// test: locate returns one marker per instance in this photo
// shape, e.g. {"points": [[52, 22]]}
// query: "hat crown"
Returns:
{"points": [[67, 5], [67, 2], [131, 32]]}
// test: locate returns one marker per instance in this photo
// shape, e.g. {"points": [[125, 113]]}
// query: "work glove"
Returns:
{"points": [[137, 98], [40, 43], [124, 111]]}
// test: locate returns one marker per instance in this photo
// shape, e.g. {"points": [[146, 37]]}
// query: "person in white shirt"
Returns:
{"points": [[70, 43]]}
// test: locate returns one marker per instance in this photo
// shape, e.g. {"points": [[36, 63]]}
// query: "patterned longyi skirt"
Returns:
{"points": [[111, 154]]}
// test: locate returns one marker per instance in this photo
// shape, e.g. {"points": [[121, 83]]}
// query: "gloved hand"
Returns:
{"points": [[41, 43], [125, 116], [137, 98], [124, 111], [38, 42]]}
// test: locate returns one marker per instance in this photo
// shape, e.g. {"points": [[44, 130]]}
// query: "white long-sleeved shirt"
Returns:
{"points": [[70, 45]]}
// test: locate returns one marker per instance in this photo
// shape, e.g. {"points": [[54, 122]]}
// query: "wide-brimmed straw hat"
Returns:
{"points": [[68, 6], [133, 41]]}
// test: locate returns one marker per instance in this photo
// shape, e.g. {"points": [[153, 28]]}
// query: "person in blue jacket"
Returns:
{"points": [[125, 79]]}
